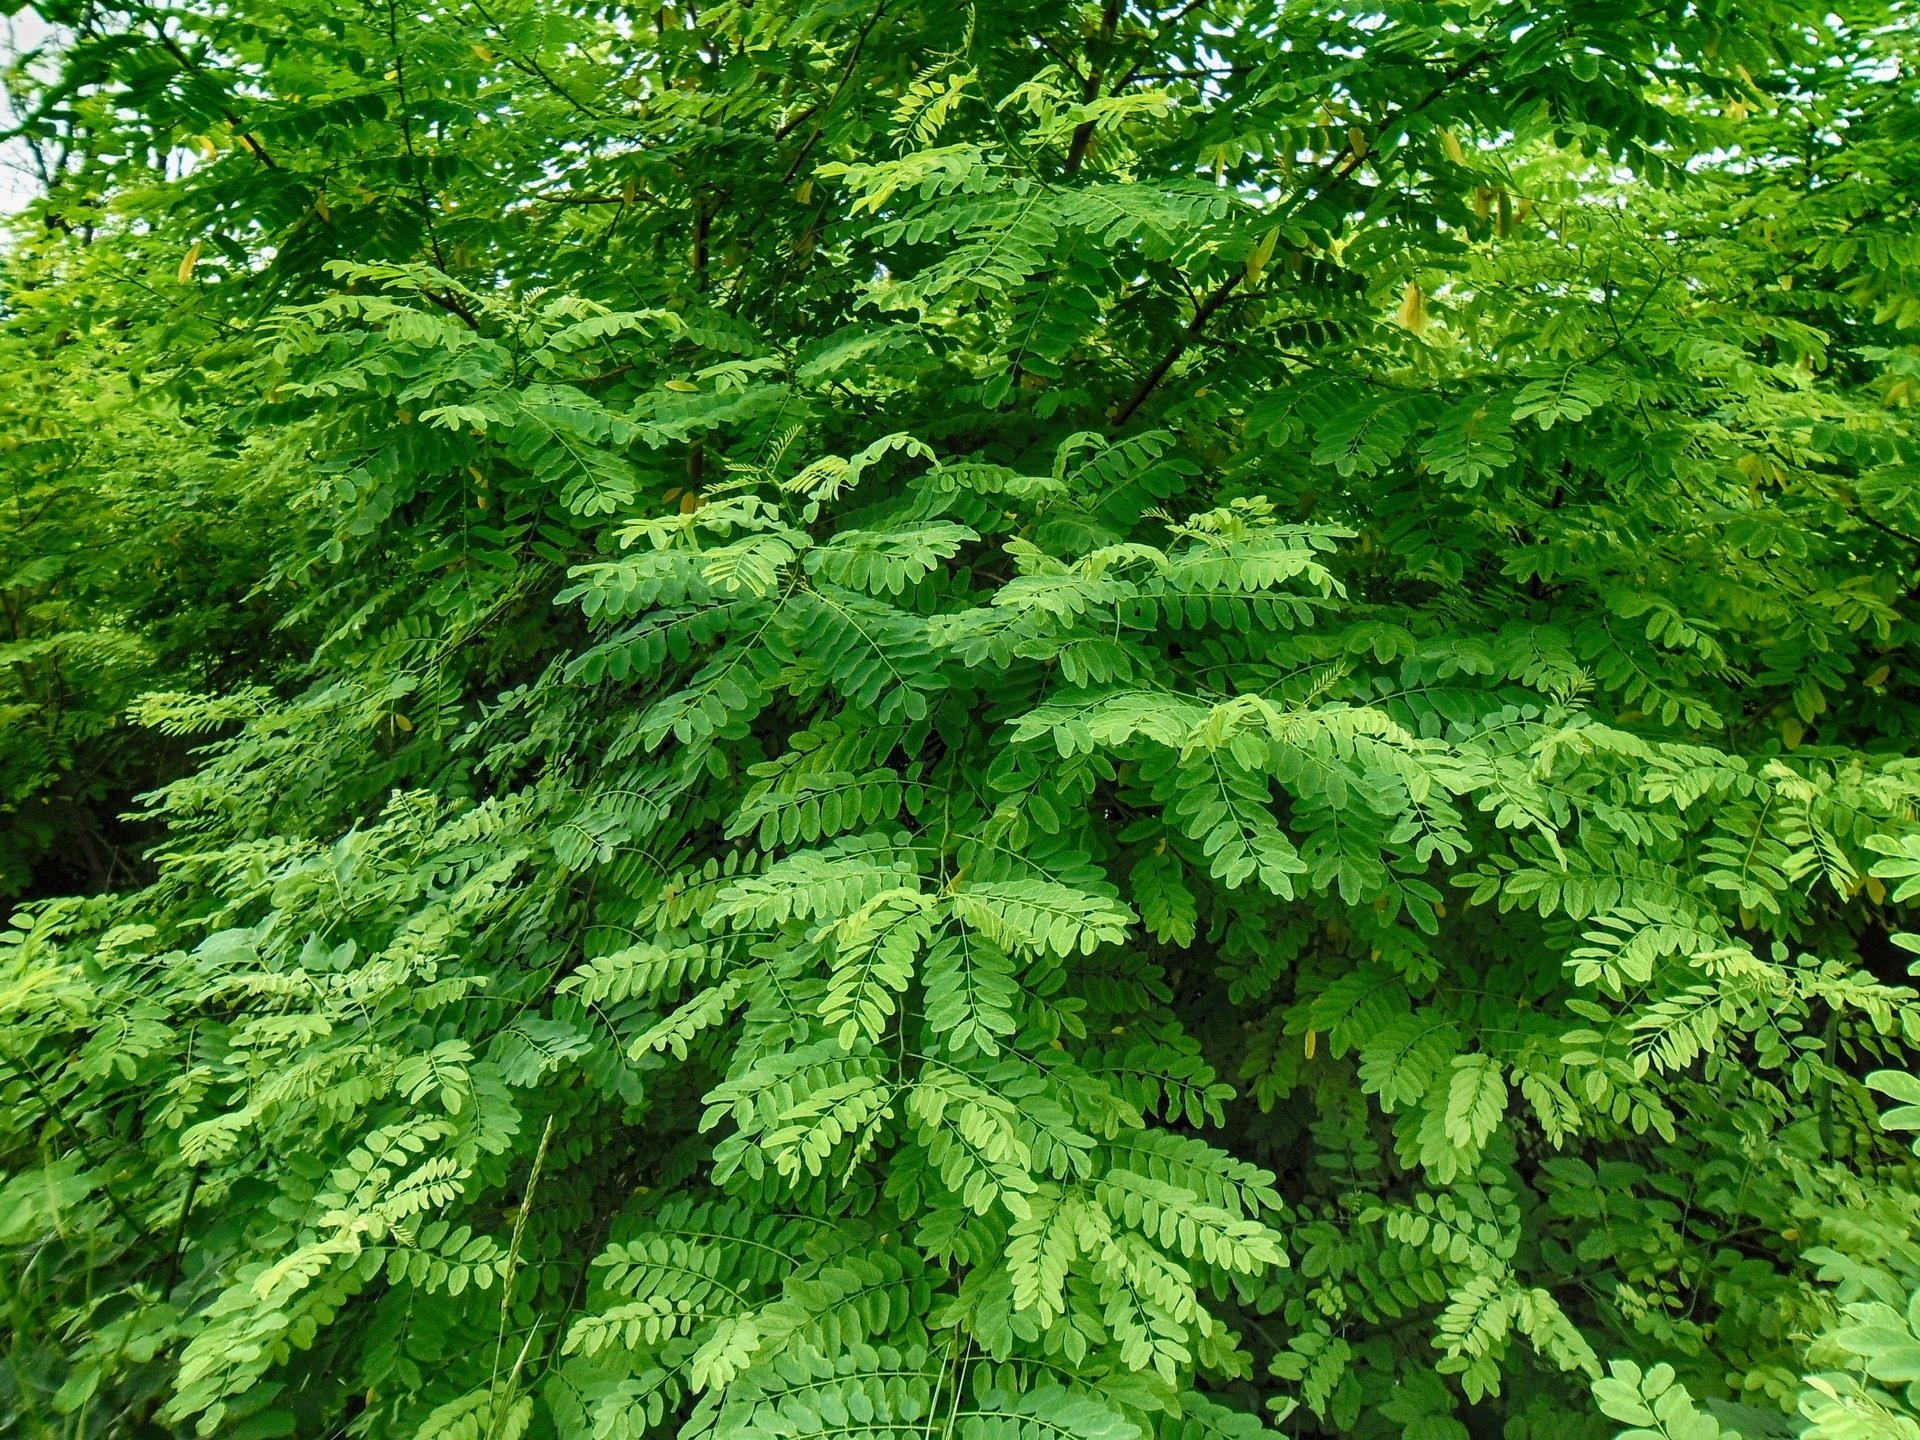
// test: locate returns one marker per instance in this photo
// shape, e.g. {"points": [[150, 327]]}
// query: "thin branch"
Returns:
{"points": [[193, 67], [453, 305], [1223, 292], [58, 1116], [531, 66], [1090, 91], [1194, 329], [1183, 12], [1066, 60], [793, 123], [447, 300], [846, 74]]}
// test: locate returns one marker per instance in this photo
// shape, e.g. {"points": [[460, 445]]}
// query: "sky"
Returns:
{"points": [[17, 182]]}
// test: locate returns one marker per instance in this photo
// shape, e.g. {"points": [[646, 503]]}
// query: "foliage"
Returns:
{"points": [[1041, 720], [128, 550]]}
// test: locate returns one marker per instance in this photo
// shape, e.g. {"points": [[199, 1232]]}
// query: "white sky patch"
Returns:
{"points": [[18, 182]]}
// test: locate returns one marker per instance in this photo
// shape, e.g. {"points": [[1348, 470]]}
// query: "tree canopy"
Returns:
{"points": [[1017, 721]]}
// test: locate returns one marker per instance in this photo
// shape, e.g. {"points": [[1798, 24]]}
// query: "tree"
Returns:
{"points": [[1024, 720]]}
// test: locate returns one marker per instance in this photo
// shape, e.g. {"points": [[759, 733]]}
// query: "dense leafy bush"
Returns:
{"points": [[1017, 720], [127, 556]]}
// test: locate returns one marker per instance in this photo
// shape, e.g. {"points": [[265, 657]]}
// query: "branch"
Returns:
{"points": [[192, 67], [452, 304], [1882, 526], [1207, 309], [530, 66], [1090, 91], [1223, 292], [846, 74], [1066, 60], [413, 164]]}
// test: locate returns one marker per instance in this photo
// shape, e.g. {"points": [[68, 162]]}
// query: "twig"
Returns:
{"points": [[406, 139], [846, 74], [1208, 308], [1090, 91], [530, 66], [192, 67], [1224, 290], [59, 1117]]}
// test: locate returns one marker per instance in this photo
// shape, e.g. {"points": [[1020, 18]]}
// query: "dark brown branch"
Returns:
{"points": [[1223, 292], [1090, 91], [192, 67], [1860, 513], [1194, 329], [452, 304], [787, 127], [421, 194], [1066, 60], [531, 66], [846, 75]]}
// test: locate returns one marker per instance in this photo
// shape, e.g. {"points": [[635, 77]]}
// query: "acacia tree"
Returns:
{"points": [[1026, 720]]}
